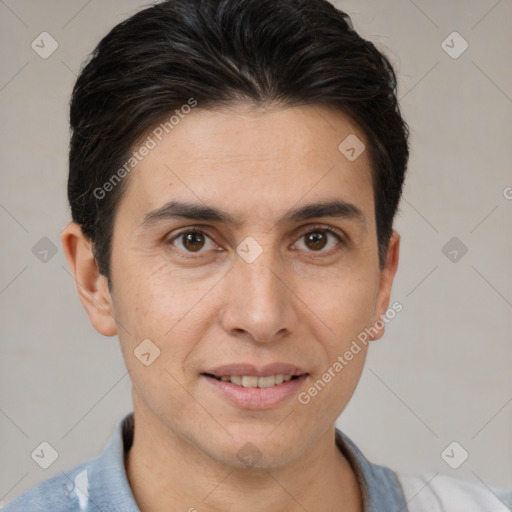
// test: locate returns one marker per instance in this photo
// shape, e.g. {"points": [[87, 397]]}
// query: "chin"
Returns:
{"points": [[259, 448]]}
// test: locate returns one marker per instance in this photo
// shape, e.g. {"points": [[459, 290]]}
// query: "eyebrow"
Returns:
{"points": [[182, 210]]}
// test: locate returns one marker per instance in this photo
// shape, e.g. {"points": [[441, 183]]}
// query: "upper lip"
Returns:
{"points": [[228, 370]]}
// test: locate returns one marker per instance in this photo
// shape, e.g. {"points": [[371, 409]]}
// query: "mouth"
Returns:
{"points": [[253, 381], [249, 386], [255, 392]]}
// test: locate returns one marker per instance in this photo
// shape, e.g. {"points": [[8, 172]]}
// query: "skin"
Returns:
{"points": [[298, 302]]}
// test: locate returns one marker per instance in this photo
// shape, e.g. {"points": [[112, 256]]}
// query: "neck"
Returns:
{"points": [[168, 473]]}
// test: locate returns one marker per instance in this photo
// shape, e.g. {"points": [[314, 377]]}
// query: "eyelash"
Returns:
{"points": [[314, 229]]}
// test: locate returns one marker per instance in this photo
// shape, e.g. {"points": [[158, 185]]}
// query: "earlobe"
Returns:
{"points": [[92, 287], [387, 276]]}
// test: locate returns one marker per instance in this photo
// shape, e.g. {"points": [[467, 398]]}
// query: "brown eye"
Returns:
{"points": [[317, 240], [191, 241]]}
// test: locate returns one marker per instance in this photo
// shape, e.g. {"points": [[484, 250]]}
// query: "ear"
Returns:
{"points": [[91, 285], [387, 276]]}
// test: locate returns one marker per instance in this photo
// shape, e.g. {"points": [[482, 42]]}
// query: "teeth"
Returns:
{"points": [[252, 381], [249, 382], [266, 382]]}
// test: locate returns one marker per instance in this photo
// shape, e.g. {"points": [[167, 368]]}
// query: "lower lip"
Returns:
{"points": [[257, 398]]}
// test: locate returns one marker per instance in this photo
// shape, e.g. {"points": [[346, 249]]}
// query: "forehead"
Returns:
{"points": [[264, 162]]}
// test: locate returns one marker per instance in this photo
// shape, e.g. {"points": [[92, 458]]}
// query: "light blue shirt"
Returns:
{"points": [[101, 485]]}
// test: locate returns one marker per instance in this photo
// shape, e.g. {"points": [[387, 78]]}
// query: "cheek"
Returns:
{"points": [[155, 342], [341, 313], [344, 304], [146, 299], [161, 307]]}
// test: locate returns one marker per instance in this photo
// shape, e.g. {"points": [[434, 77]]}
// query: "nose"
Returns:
{"points": [[260, 304]]}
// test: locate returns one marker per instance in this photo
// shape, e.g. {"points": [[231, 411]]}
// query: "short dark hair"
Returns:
{"points": [[216, 52]]}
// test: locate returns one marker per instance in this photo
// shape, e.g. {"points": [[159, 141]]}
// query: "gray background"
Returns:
{"points": [[442, 371]]}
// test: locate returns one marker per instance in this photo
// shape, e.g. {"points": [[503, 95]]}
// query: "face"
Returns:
{"points": [[273, 285]]}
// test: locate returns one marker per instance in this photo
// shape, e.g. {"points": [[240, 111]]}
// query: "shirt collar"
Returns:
{"points": [[379, 484]]}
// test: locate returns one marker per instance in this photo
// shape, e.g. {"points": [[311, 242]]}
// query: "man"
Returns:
{"points": [[235, 168]]}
